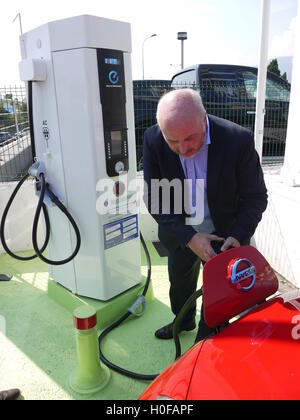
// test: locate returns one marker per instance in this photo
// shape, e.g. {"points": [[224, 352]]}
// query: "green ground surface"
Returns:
{"points": [[38, 350]]}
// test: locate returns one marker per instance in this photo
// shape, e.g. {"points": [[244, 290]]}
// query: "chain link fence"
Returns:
{"points": [[225, 99]]}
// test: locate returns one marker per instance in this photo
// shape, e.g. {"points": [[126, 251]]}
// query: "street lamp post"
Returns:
{"points": [[20, 22], [144, 54], [182, 36]]}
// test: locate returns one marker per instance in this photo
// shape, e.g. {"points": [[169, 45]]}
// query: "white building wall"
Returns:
{"points": [[278, 235]]}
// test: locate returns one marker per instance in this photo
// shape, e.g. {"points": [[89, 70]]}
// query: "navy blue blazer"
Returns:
{"points": [[236, 191]]}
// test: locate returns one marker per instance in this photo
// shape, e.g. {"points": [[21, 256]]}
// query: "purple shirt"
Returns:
{"points": [[196, 168]]}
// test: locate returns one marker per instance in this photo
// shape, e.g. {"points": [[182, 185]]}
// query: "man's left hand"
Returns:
{"points": [[230, 243]]}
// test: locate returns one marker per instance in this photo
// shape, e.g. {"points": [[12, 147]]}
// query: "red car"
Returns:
{"points": [[257, 355]]}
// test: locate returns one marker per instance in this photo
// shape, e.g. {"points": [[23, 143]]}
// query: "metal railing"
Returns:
{"points": [[225, 99], [229, 100], [237, 102], [146, 95], [15, 145]]}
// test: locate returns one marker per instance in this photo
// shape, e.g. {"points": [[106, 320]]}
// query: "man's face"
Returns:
{"points": [[186, 138]]}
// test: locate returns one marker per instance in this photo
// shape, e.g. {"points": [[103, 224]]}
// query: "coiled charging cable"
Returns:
{"points": [[44, 189], [132, 311]]}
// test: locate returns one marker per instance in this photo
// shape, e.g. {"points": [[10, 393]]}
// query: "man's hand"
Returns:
{"points": [[230, 243], [200, 244]]}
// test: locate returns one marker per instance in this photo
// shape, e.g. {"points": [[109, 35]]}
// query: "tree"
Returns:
{"points": [[273, 67], [284, 76], [2, 116]]}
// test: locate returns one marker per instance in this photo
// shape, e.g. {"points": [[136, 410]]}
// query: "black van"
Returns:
{"points": [[229, 91]]}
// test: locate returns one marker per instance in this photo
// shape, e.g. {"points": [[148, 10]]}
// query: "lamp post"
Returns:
{"points": [[144, 54], [20, 22], [182, 36]]}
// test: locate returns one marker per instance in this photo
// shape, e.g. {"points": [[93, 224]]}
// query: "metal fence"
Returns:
{"points": [[15, 145], [146, 95], [227, 100]]}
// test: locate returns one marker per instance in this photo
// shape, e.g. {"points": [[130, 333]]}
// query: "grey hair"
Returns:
{"points": [[194, 95]]}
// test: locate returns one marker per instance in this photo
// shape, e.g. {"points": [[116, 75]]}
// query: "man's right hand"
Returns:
{"points": [[200, 244]]}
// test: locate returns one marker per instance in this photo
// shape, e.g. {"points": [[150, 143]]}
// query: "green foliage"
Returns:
{"points": [[273, 67], [23, 106]]}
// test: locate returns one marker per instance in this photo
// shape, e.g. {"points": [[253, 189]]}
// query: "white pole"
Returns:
{"points": [[262, 76], [143, 53], [291, 169], [16, 119]]}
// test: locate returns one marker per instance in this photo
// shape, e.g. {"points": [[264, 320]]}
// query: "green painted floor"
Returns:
{"points": [[38, 351]]}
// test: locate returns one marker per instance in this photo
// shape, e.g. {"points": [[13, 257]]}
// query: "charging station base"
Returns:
{"points": [[107, 312]]}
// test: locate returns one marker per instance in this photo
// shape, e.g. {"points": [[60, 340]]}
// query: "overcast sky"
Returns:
{"points": [[219, 31]]}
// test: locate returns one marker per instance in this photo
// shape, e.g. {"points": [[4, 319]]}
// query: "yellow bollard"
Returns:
{"points": [[90, 376]]}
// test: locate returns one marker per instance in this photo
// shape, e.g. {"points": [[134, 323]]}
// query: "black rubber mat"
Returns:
{"points": [[5, 277]]}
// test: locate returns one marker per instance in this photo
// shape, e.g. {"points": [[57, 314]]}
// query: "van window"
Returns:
{"points": [[275, 91], [150, 88], [221, 85], [250, 80], [185, 79]]}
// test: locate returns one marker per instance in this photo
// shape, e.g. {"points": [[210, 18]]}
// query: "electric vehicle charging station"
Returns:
{"points": [[83, 119]]}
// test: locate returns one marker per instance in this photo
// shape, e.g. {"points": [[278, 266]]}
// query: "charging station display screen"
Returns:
{"points": [[116, 143], [113, 61], [113, 100], [112, 89]]}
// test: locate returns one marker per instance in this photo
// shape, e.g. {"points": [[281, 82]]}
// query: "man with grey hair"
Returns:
{"points": [[187, 144]]}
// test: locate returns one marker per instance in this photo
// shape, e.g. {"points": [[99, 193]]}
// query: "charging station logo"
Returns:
{"points": [[113, 77], [2, 325], [244, 279]]}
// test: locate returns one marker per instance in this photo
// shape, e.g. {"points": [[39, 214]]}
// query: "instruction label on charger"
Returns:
{"points": [[121, 231]]}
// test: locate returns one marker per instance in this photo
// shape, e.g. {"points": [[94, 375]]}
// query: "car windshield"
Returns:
{"points": [[275, 90]]}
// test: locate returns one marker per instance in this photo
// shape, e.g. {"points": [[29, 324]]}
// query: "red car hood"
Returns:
{"points": [[257, 357], [175, 381]]}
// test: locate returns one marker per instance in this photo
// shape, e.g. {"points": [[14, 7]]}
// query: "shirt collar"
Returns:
{"points": [[208, 141]]}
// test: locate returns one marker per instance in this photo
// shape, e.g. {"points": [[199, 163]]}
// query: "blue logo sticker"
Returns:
{"points": [[113, 77], [238, 277]]}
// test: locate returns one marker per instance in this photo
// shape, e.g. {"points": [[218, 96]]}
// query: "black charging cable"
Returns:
{"points": [[141, 300], [3, 221], [180, 318], [45, 189], [132, 311]]}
